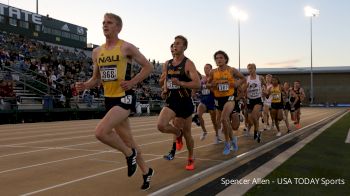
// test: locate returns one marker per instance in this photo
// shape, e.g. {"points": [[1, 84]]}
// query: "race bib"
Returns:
{"points": [[254, 93], [231, 98], [276, 98], [127, 99], [170, 85], [223, 87], [205, 91], [109, 73]]}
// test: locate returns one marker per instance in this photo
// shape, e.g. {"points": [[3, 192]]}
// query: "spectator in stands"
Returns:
{"points": [[88, 97]]}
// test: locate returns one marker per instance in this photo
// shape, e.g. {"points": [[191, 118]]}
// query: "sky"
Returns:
{"points": [[275, 35]]}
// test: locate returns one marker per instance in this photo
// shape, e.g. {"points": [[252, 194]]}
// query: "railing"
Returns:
{"points": [[32, 83]]}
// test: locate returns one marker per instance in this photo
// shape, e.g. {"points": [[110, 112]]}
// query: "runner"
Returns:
{"points": [[301, 95], [181, 77], [275, 93], [255, 86], [222, 81], [110, 66], [267, 104], [236, 116], [286, 104], [207, 104]]}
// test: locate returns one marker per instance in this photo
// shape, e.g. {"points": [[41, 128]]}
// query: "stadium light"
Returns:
{"points": [[240, 16], [311, 12]]}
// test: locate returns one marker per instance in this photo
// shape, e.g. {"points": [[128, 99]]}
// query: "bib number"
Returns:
{"points": [[205, 91], [127, 99], [109, 73], [276, 98], [170, 85], [231, 98], [223, 87]]}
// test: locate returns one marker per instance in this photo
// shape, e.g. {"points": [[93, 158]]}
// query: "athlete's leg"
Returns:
{"points": [[105, 133], [164, 119], [200, 111]]}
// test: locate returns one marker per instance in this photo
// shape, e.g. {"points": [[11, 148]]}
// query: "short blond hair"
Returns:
{"points": [[116, 18], [252, 64]]}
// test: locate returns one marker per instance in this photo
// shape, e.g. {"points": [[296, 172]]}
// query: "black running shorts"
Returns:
{"points": [[128, 102], [252, 102], [183, 107]]}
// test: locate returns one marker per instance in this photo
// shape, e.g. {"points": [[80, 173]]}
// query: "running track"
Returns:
{"points": [[64, 158]]}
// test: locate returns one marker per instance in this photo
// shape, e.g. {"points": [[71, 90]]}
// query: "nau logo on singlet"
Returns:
{"points": [[173, 72], [108, 59]]}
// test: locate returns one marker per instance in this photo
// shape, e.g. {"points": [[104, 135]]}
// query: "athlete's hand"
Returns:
{"points": [[176, 81], [80, 86], [164, 94], [126, 84]]}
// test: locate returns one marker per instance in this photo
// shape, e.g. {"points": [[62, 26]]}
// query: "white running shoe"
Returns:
{"points": [[203, 136], [278, 134], [218, 140]]}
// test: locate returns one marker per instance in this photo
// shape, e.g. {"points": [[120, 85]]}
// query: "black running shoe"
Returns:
{"points": [[258, 139], [195, 119], [147, 179], [131, 162], [255, 135], [169, 156]]}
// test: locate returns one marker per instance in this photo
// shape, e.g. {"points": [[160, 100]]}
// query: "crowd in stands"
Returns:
{"points": [[59, 67]]}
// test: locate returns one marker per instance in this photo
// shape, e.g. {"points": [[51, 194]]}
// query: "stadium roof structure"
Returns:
{"points": [[301, 70]]}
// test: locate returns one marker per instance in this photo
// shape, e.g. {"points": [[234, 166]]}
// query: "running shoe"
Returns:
{"points": [[255, 135], [218, 140], [234, 143], [169, 156], [278, 134], [179, 143], [258, 139], [203, 136], [147, 179], [195, 119], [246, 131], [241, 119], [227, 147], [190, 164], [131, 162]]}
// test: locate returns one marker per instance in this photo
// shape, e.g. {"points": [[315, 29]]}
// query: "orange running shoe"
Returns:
{"points": [[179, 143], [190, 164]]}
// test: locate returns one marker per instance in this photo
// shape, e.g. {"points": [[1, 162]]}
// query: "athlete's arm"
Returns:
{"points": [[240, 76], [302, 94], [263, 85], [210, 83], [96, 77], [163, 76], [131, 51]]}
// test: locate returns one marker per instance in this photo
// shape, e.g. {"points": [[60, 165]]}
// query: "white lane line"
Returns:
{"points": [[201, 159], [95, 175], [81, 179], [347, 140], [61, 133], [41, 164], [27, 127], [91, 135], [67, 147], [105, 161]]}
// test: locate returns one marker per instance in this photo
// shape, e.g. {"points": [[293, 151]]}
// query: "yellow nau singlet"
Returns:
{"points": [[276, 94], [112, 66], [223, 78]]}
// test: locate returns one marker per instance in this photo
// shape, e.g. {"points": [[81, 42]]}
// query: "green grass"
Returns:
{"points": [[327, 156]]}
